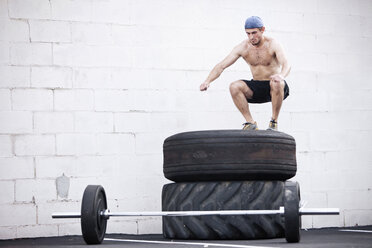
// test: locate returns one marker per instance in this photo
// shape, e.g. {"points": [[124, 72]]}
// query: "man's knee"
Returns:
{"points": [[277, 87], [235, 87]]}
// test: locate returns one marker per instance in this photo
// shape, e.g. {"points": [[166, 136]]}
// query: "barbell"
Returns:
{"points": [[94, 213]]}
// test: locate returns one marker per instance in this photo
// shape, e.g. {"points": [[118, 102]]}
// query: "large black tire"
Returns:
{"points": [[235, 195], [227, 155]]}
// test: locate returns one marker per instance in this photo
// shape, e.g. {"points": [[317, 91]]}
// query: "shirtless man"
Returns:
{"points": [[269, 67]]}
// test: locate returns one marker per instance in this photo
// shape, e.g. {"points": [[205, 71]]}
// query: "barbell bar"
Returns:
{"points": [[94, 213], [107, 214]]}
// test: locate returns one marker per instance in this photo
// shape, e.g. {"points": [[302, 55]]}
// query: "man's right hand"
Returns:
{"points": [[204, 86]]}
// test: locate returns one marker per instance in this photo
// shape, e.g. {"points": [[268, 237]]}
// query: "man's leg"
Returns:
{"points": [[277, 95], [239, 93]]}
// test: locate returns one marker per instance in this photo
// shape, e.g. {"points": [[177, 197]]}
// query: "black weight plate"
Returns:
{"points": [[292, 218], [93, 225]]}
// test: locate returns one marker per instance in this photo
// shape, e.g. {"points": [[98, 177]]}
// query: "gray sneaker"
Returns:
{"points": [[273, 125], [250, 126]]}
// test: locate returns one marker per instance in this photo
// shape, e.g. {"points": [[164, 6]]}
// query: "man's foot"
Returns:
{"points": [[250, 126], [273, 125]]}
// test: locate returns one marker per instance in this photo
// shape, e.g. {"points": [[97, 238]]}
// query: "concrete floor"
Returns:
{"points": [[316, 238]]}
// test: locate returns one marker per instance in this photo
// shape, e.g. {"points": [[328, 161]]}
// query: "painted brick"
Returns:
{"points": [[358, 217], [31, 190], [211, 121], [114, 100], [32, 99], [31, 54], [343, 7], [111, 144], [132, 122], [7, 192], [163, 80], [102, 56], [73, 100], [4, 53], [359, 179], [149, 225], [351, 140], [5, 100], [149, 143], [130, 79], [311, 162], [4, 10], [304, 61], [76, 144], [330, 221], [125, 226], [93, 166], [302, 140], [99, 78], [16, 168], [18, 214], [365, 8], [49, 31], [94, 171], [157, 14], [34, 145], [175, 122], [304, 102], [39, 9], [13, 76], [155, 100], [325, 44], [15, 122], [45, 210], [345, 160], [92, 122], [367, 26], [153, 58], [14, 31], [135, 122], [91, 34], [114, 11], [354, 63], [8, 232], [51, 77], [187, 60], [71, 10], [53, 122], [350, 199], [6, 146], [120, 56], [70, 229], [319, 23], [34, 231], [123, 35], [53, 167], [342, 100], [292, 22]]}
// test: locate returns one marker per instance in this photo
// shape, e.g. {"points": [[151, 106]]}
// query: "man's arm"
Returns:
{"points": [[286, 68], [218, 69]]}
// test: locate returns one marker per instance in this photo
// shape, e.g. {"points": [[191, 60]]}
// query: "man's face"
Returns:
{"points": [[255, 35]]}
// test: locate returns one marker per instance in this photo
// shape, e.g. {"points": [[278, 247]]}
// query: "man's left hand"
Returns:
{"points": [[277, 78]]}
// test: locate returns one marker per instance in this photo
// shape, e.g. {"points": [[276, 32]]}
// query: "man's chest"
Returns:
{"points": [[264, 57]]}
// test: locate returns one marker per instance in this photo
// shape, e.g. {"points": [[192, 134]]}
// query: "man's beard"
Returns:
{"points": [[256, 43]]}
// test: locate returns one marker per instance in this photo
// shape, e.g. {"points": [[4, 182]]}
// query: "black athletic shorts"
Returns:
{"points": [[261, 90]]}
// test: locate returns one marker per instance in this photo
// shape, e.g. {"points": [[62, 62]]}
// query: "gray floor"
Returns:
{"points": [[331, 237]]}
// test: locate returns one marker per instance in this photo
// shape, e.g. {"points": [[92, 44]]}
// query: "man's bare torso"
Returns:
{"points": [[261, 59]]}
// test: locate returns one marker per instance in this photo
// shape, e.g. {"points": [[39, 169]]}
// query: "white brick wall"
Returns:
{"points": [[89, 90]]}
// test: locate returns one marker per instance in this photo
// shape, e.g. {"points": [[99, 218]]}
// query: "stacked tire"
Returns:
{"points": [[226, 170]]}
